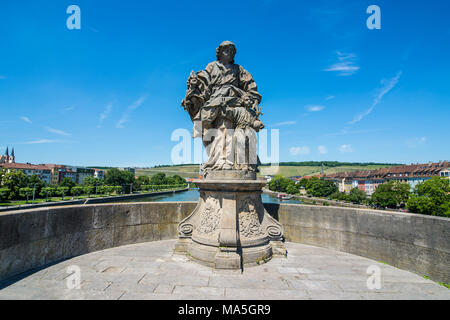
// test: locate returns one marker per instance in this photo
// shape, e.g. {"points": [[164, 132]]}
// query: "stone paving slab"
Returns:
{"points": [[151, 271]]}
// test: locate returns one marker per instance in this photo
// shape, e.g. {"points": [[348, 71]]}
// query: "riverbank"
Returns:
{"points": [[91, 200], [320, 201]]}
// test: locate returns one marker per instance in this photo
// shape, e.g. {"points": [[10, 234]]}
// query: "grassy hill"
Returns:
{"points": [[187, 171], [290, 170]]}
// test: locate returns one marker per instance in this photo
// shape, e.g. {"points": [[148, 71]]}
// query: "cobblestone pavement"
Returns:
{"points": [[152, 271]]}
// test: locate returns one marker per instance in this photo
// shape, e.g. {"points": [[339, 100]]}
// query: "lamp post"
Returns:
{"points": [[34, 191]]}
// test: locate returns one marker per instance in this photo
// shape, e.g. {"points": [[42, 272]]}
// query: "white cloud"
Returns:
{"points": [[42, 141], [26, 119], [57, 131], [383, 91], [415, 142], [125, 117], [315, 108], [322, 149], [330, 97], [286, 123], [346, 65], [299, 150], [346, 148], [104, 115]]}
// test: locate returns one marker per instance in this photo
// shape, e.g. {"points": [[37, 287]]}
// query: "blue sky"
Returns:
{"points": [[109, 94]]}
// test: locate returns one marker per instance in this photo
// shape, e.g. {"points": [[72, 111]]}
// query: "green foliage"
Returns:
{"points": [[117, 189], [68, 183], [62, 191], [140, 181], [91, 181], [26, 192], [88, 190], [341, 196], [391, 194], [431, 197], [35, 182], [116, 177], [320, 188], [330, 164], [282, 184], [4, 194], [159, 178], [357, 196], [291, 189], [14, 180], [77, 190], [47, 192]]}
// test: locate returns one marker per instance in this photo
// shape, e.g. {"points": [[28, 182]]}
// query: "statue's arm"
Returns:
{"points": [[248, 84]]}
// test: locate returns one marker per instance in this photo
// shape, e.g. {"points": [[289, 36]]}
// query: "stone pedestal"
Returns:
{"points": [[230, 228]]}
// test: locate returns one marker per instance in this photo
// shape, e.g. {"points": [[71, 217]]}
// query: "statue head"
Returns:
{"points": [[225, 52]]}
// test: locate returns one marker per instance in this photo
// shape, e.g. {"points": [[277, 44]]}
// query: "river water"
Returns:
{"points": [[193, 194]]}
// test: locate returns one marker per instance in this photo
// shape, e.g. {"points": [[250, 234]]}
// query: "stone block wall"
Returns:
{"points": [[35, 238]]}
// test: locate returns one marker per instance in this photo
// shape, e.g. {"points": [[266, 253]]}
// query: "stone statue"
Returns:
{"points": [[223, 102], [229, 228]]}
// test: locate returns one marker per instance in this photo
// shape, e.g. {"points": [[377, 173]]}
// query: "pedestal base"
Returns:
{"points": [[230, 228]]}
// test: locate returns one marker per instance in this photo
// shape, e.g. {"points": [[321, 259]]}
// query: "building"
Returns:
{"points": [[8, 158], [369, 180], [82, 173], [41, 171], [99, 174], [132, 170]]}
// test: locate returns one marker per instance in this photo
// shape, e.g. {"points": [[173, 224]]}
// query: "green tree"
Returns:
{"points": [[67, 182], [88, 189], [158, 179], [391, 194], [341, 196], [281, 184], [116, 177], [77, 190], [26, 192], [14, 180], [91, 181], [321, 188], [4, 194], [431, 197], [62, 191], [117, 189], [47, 191], [179, 180], [36, 183], [291, 189], [141, 181], [357, 196]]}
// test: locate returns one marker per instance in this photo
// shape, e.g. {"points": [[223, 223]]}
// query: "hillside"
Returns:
{"points": [[289, 170]]}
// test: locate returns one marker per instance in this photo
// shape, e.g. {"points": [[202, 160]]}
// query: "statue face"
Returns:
{"points": [[227, 55]]}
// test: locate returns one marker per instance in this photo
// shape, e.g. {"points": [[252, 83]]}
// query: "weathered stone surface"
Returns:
{"points": [[229, 228], [307, 273], [413, 242]]}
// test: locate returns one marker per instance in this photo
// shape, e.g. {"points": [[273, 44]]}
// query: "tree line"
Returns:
{"points": [[330, 164], [431, 197], [16, 185]]}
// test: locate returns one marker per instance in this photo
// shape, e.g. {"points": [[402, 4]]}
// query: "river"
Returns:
{"points": [[193, 194]]}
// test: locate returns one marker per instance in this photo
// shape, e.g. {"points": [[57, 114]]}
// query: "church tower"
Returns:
{"points": [[8, 158], [12, 157]]}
